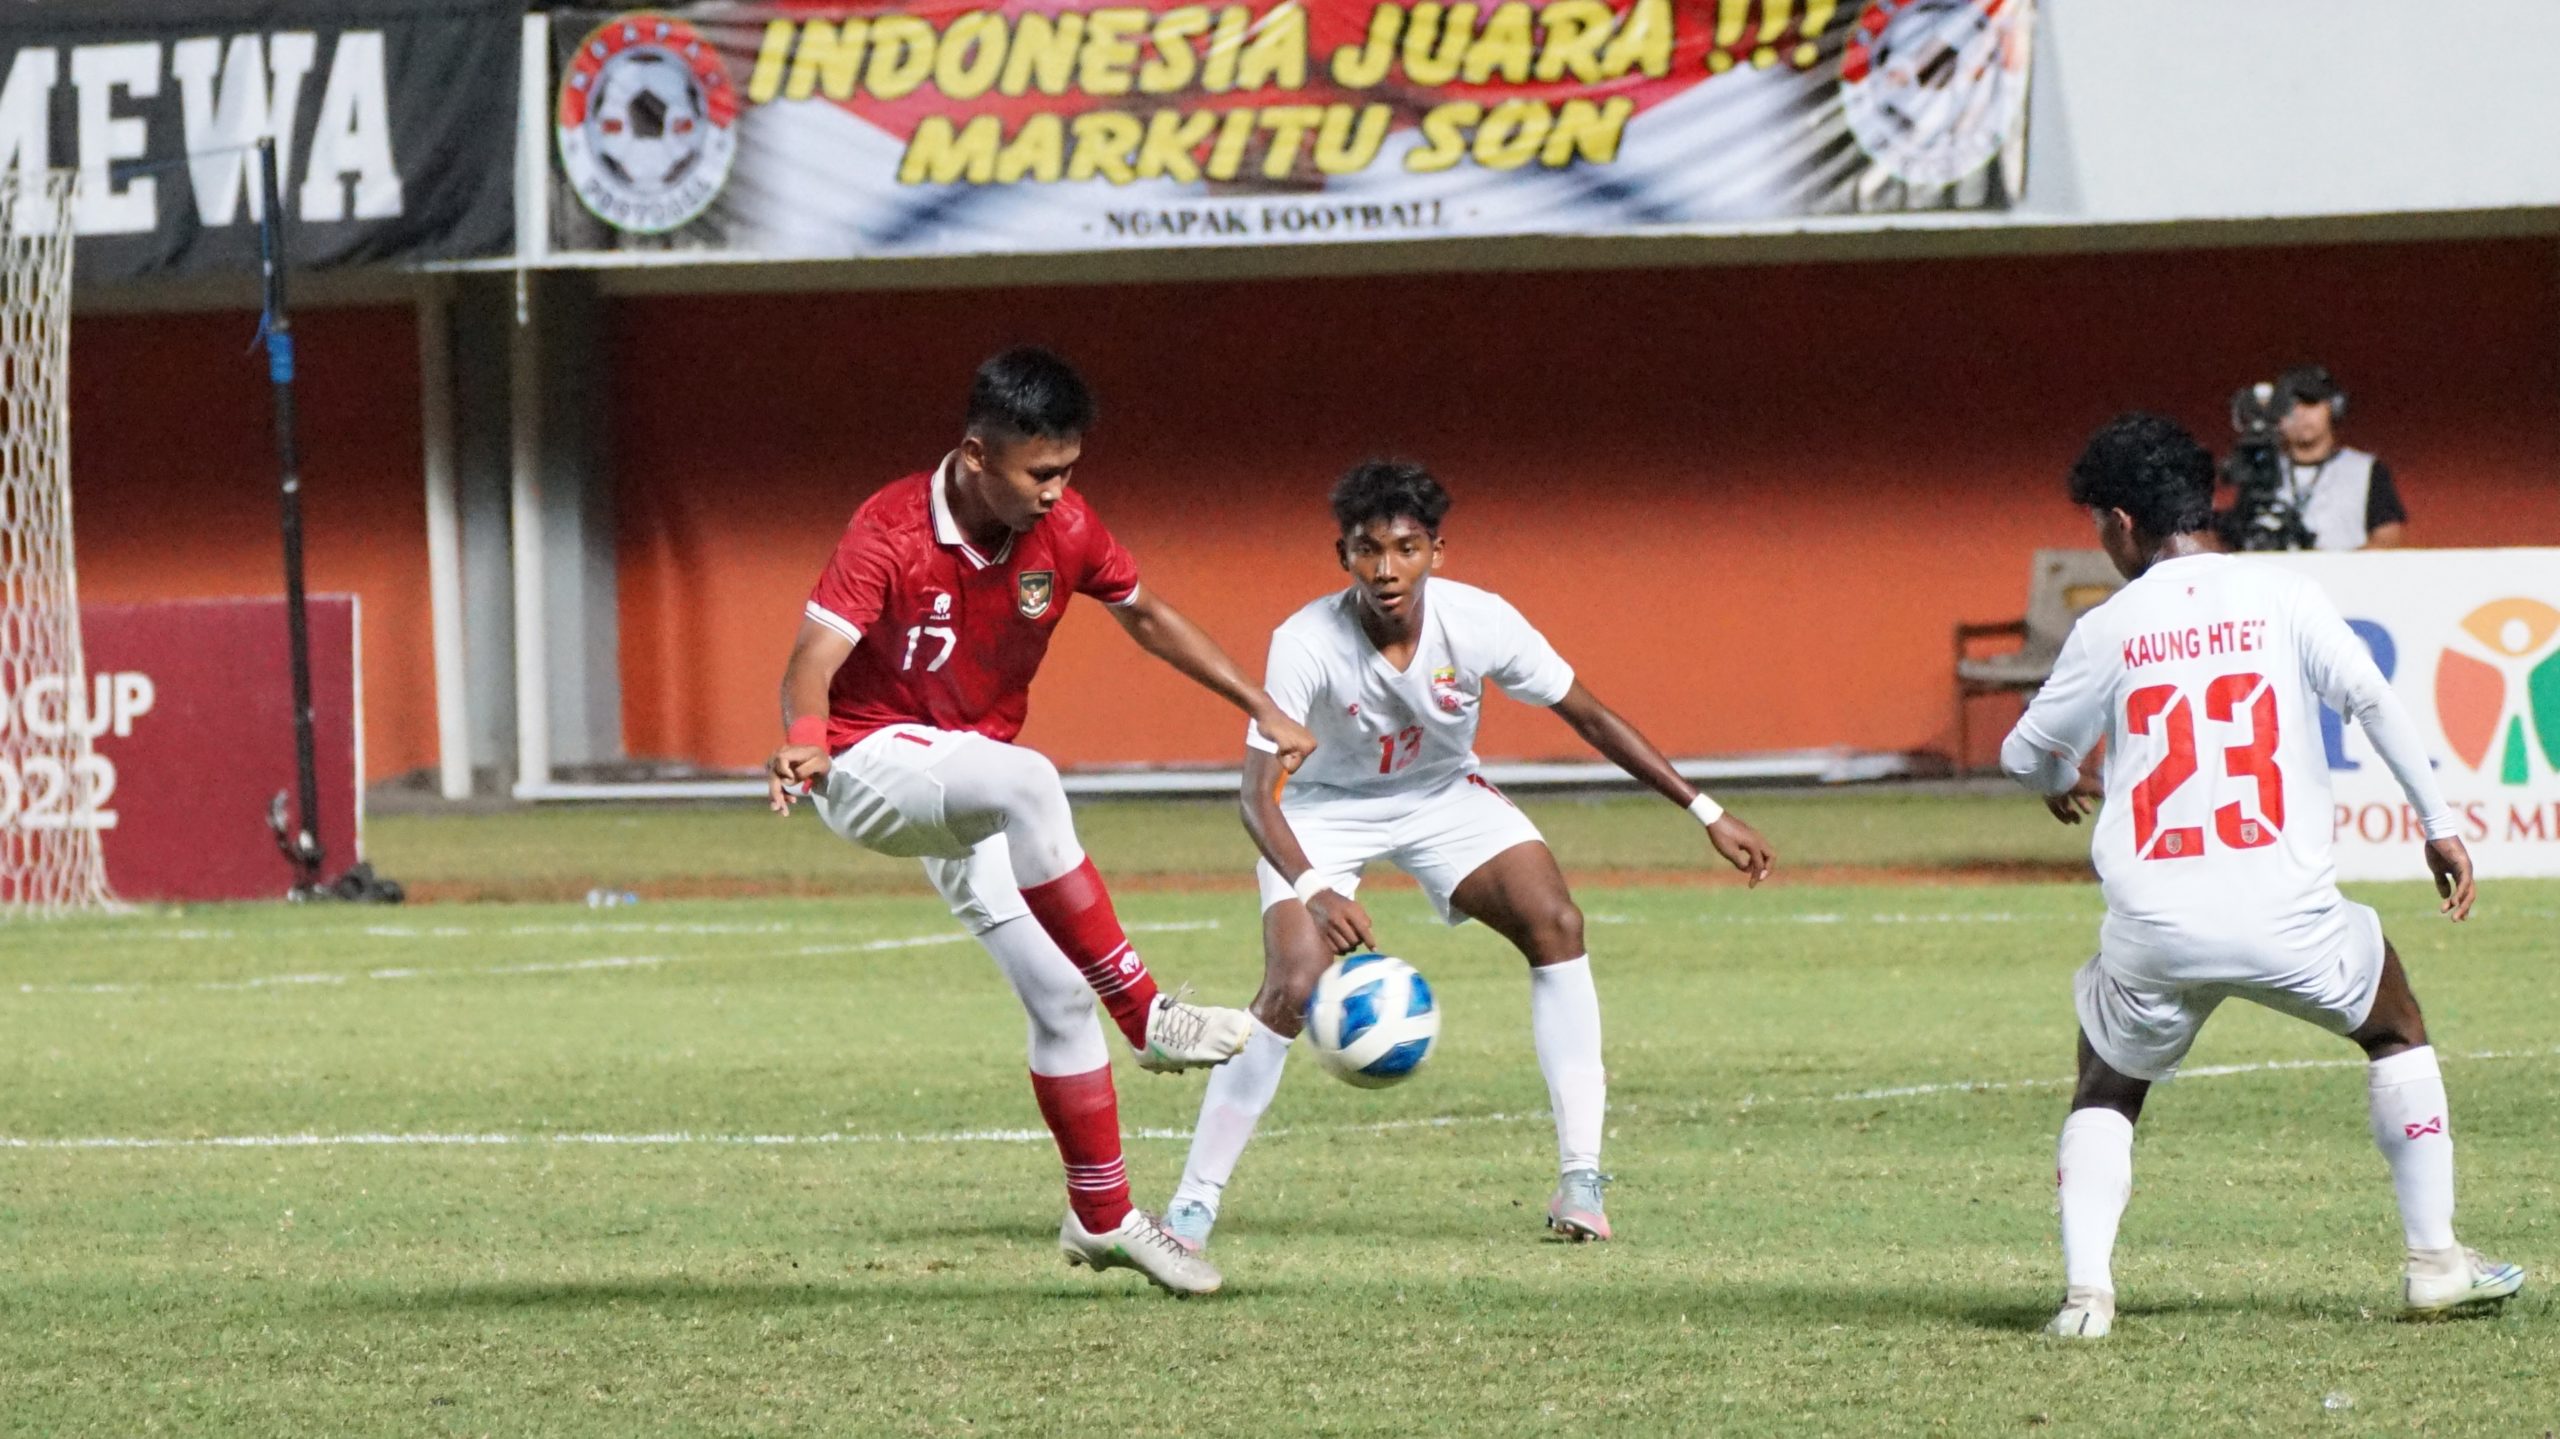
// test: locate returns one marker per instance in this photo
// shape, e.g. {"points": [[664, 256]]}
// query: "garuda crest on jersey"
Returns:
{"points": [[1032, 592]]}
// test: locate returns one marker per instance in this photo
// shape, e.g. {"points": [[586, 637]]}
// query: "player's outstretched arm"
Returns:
{"points": [[1162, 631], [2062, 725], [1339, 918], [817, 652], [2343, 674], [1623, 745]]}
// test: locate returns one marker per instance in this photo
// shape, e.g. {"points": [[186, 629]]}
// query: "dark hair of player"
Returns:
{"points": [[2152, 470], [1028, 393], [1387, 490]]}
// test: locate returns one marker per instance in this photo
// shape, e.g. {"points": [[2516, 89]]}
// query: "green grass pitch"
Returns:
{"points": [[768, 1165]]}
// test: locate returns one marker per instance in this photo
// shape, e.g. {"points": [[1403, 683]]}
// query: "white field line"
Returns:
{"points": [[1897, 917], [562, 966], [670, 1138], [2206, 1071]]}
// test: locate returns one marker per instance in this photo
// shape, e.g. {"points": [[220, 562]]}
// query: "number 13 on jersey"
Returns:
{"points": [[2248, 704]]}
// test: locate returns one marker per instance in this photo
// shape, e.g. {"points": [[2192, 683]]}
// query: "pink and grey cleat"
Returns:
{"points": [[1575, 1212]]}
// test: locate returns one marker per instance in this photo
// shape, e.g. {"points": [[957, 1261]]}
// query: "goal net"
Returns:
{"points": [[50, 861]]}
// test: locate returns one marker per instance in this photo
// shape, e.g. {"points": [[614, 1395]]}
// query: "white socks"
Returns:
{"points": [[1065, 1036], [1564, 1022], [2094, 1175], [2406, 1092], [1238, 1092]]}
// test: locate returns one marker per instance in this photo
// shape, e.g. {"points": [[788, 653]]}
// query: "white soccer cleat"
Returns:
{"points": [[1182, 1035], [2086, 1314], [1142, 1244], [2446, 1280]]}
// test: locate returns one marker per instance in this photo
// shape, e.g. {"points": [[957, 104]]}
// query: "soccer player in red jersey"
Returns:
{"points": [[907, 683]]}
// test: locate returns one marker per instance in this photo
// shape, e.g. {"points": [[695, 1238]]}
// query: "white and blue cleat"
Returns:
{"points": [[1189, 1222], [2452, 1280]]}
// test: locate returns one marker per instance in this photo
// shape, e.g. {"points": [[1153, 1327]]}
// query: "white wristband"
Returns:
{"points": [[1707, 810], [1309, 885]]}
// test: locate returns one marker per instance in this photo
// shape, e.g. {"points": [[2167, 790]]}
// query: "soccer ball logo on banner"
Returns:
{"points": [[1934, 88], [648, 123]]}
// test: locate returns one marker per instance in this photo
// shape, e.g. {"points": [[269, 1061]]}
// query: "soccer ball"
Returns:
{"points": [[1372, 1020]]}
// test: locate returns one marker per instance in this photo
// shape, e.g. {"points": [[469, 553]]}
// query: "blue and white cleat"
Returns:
{"points": [[1575, 1212], [1189, 1222], [2446, 1281]]}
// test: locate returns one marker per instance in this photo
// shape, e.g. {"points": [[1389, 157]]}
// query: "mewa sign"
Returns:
{"points": [[394, 120]]}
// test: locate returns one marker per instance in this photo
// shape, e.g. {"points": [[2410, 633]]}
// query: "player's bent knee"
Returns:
{"points": [[1557, 933]]}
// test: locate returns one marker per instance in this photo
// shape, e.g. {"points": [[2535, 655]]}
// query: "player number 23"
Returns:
{"points": [[950, 640], [2232, 699]]}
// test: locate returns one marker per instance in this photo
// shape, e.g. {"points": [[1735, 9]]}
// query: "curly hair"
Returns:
{"points": [[1387, 490], [2152, 470]]}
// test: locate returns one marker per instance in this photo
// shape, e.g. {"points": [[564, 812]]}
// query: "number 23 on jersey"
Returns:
{"points": [[2247, 703]]}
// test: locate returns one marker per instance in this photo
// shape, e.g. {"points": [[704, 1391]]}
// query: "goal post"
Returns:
{"points": [[50, 862]]}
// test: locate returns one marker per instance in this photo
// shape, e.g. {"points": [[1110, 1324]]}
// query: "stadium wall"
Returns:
{"points": [[1748, 502]]}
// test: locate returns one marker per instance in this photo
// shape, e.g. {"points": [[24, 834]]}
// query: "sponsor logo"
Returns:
{"points": [[2498, 689], [1934, 88], [1032, 592], [648, 123], [941, 606], [2424, 1127]]}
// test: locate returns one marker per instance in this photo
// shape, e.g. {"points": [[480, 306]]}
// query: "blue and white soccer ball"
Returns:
{"points": [[1372, 1020]]}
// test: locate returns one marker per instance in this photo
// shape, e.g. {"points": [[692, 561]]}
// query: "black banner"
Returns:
{"points": [[396, 124]]}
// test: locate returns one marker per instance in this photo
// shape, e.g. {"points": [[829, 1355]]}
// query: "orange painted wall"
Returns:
{"points": [[174, 483], [1748, 503]]}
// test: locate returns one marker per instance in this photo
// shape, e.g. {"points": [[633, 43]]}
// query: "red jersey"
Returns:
{"points": [[942, 634]]}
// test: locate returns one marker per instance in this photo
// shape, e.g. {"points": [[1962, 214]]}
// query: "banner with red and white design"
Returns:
{"points": [[814, 130], [188, 705]]}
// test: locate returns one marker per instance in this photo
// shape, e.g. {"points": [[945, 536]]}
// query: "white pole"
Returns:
{"points": [[444, 537], [524, 409], [533, 144], [525, 549]]}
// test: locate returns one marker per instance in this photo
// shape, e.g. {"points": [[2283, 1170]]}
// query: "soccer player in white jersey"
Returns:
{"points": [[1389, 674], [2204, 676]]}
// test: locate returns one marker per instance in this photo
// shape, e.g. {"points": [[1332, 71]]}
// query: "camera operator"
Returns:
{"points": [[2298, 488]]}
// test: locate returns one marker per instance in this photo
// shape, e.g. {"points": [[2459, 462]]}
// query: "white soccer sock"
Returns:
{"points": [[1065, 1037], [2406, 1092], [1564, 1023], [1238, 1092], [2093, 1173]]}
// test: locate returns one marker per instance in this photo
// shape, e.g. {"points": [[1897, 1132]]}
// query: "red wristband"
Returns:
{"points": [[807, 730]]}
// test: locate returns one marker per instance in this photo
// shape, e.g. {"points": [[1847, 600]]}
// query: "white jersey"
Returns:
{"points": [[2205, 678], [1381, 730]]}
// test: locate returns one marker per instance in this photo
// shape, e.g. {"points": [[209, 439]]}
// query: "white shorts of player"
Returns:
{"points": [[884, 794], [2143, 1028], [1439, 838]]}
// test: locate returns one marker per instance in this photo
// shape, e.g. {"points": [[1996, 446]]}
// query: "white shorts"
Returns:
{"points": [[1439, 838], [2142, 1029], [882, 794]]}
